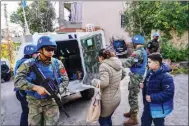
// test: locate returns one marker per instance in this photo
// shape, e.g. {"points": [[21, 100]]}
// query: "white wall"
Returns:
{"points": [[105, 14]]}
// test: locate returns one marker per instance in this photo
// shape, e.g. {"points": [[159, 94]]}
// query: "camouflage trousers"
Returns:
{"points": [[42, 112], [134, 89]]}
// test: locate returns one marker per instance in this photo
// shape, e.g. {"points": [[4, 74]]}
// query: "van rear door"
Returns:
{"points": [[91, 45]]}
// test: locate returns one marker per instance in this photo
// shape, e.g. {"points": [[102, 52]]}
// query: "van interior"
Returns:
{"points": [[68, 52]]}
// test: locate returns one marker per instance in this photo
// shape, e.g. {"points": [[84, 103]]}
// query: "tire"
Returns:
{"points": [[4, 68], [7, 77], [87, 94]]}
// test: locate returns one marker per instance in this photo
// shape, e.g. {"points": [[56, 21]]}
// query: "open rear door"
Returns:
{"points": [[91, 45]]}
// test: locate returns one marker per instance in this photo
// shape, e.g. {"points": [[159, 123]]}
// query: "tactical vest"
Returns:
{"points": [[18, 63], [48, 72], [140, 69], [153, 46]]}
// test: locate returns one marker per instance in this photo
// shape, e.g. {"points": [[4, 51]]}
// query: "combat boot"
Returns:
{"points": [[132, 120], [127, 115]]}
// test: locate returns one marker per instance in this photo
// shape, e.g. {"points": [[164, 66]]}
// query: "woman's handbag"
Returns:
{"points": [[95, 107]]}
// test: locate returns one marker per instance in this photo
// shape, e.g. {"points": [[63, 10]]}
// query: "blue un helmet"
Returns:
{"points": [[138, 39], [156, 34], [30, 49], [45, 41]]}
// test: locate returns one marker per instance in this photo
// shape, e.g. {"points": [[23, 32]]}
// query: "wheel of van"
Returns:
{"points": [[7, 77], [87, 94], [4, 68]]}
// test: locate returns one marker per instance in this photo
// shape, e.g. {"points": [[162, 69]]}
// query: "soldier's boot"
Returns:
{"points": [[127, 115], [132, 120]]}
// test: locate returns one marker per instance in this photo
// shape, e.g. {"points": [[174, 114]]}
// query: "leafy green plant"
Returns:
{"points": [[39, 15], [7, 51], [173, 53], [180, 70], [143, 16]]}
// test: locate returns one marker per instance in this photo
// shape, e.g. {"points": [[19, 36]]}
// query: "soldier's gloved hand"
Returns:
{"points": [[40, 90], [66, 89], [61, 90]]}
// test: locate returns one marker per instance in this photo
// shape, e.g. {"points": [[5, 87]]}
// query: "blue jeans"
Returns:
{"points": [[25, 109], [106, 121], [146, 119]]}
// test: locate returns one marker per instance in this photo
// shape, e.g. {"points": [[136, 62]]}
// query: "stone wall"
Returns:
{"points": [[179, 42]]}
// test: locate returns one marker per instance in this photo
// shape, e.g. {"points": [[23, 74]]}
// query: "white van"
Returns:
{"points": [[78, 51]]}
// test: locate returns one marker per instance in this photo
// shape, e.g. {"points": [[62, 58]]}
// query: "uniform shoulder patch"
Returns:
{"points": [[63, 71], [136, 53], [133, 55]]}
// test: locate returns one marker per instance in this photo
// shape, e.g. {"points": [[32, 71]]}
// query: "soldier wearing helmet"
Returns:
{"points": [[137, 63], [153, 45], [30, 51], [43, 110]]}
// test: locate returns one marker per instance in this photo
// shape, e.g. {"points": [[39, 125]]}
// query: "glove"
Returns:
{"points": [[61, 90], [64, 91]]}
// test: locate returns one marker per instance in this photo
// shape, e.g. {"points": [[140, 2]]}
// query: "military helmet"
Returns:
{"points": [[30, 49], [138, 39], [45, 41], [156, 34]]}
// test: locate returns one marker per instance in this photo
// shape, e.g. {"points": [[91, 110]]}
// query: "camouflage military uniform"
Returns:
{"points": [[135, 79], [153, 46], [41, 111]]}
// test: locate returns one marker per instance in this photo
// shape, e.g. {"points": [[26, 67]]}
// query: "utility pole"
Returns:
{"points": [[26, 28], [6, 22], [10, 47], [61, 13], [27, 35]]}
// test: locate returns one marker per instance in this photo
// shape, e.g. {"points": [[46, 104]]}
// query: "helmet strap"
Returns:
{"points": [[137, 46], [134, 45], [45, 58]]}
